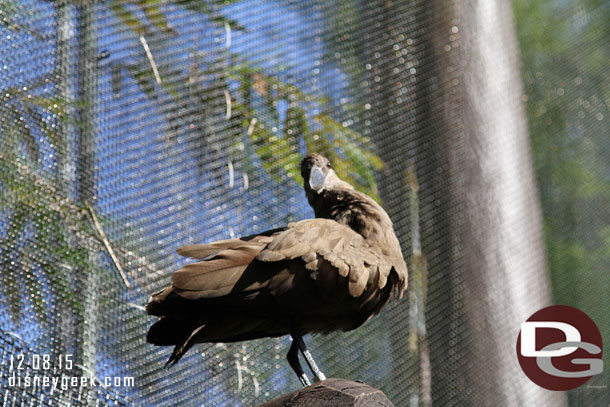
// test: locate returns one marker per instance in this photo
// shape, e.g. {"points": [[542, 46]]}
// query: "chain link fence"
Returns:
{"points": [[131, 128]]}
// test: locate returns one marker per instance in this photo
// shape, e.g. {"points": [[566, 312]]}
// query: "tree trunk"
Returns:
{"points": [[452, 111], [496, 231]]}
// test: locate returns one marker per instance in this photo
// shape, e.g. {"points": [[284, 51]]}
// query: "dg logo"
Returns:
{"points": [[560, 348]]}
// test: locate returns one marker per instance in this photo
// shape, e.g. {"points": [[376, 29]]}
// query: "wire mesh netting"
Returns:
{"points": [[131, 128]]}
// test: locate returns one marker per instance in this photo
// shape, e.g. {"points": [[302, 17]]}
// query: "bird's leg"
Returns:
{"points": [[308, 358], [293, 361]]}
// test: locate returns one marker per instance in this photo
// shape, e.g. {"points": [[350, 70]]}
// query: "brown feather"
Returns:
{"points": [[317, 275]]}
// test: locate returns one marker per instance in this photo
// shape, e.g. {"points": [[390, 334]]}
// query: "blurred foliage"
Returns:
{"points": [[39, 226], [350, 153], [279, 152], [12, 16], [565, 52], [41, 235]]}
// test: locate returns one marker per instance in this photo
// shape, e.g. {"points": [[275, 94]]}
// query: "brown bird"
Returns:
{"points": [[318, 275]]}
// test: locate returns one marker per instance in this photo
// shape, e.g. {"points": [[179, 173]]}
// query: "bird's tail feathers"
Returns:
{"points": [[169, 331], [183, 347]]}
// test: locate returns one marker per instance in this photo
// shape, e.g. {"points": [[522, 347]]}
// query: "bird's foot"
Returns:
{"points": [[304, 380], [320, 377], [293, 359]]}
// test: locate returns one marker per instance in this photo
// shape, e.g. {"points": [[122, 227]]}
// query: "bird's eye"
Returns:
{"points": [[328, 165]]}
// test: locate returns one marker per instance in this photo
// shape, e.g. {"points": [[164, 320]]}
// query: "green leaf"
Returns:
{"points": [[222, 20], [296, 123], [15, 124], [28, 137], [358, 162], [151, 10], [11, 287], [271, 84], [55, 104], [128, 18], [224, 2], [276, 153], [145, 79], [196, 6]]}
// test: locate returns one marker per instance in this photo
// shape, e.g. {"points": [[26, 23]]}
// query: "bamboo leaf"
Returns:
{"points": [[360, 161], [56, 105], [128, 18], [201, 7], [224, 2], [116, 75], [276, 153], [17, 221], [144, 78], [17, 126], [296, 122], [265, 83], [196, 6], [221, 20], [152, 11]]}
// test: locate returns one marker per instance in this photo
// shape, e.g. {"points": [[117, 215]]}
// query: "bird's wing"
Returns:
{"points": [[347, 252], [202, 251], [223, 264]]}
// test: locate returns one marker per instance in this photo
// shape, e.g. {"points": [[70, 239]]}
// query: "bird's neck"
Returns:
{"points": [[351, 208]]}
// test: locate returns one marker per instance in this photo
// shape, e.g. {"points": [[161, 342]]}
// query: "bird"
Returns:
{"points": [[314, 276]]}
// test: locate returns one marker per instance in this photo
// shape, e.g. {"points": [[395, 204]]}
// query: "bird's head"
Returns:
{"points": [[317, 173]]}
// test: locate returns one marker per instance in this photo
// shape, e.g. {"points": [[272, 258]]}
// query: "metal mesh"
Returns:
{"points": [[130, 128]]}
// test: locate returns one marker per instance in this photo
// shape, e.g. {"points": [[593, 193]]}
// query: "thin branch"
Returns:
{"points": [[106, 242], [149, 54], [239, 377], [228, 100], [228, 32], [251, 126]]}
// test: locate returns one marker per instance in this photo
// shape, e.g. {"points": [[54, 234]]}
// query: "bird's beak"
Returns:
{"points": [[316, 179]]}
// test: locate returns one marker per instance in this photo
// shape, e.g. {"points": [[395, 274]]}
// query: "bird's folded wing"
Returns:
{"points": [[202, 251], [350, 255], [224, 263]]}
